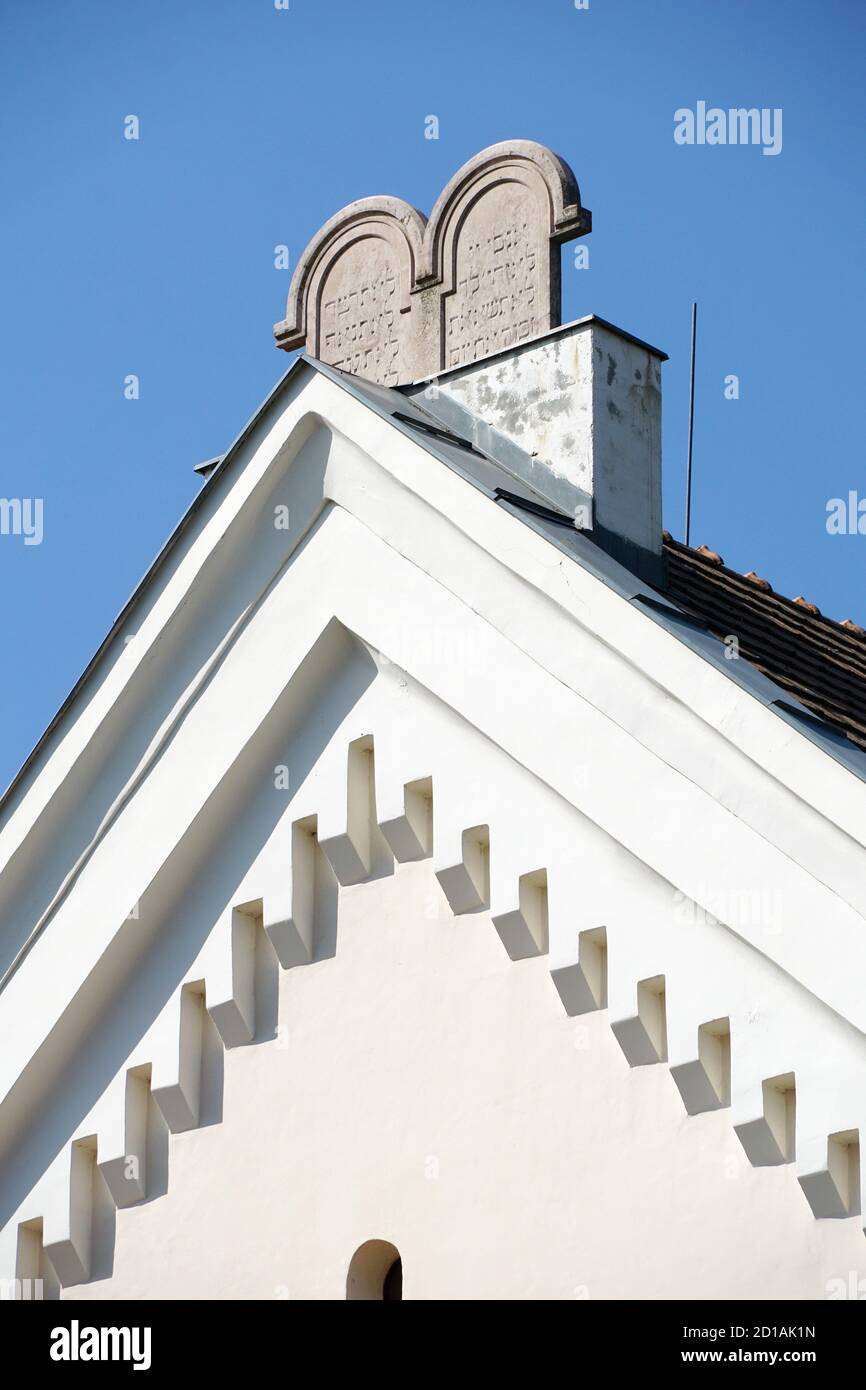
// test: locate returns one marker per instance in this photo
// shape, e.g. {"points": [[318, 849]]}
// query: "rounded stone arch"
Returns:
{"points": [[375, 1273], [526, 162], [351, 286], [491, 249]]}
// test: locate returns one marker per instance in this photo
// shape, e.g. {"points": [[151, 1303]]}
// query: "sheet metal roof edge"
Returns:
{"points": [[450, 454], [508, 454], [661, 610], [603, 566], [301, 361], [156, 564]]}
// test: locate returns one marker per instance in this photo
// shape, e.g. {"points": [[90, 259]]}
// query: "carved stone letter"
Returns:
{"points": [[383, 294], [349, 297]]}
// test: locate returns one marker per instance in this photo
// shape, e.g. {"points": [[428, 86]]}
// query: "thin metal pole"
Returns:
{"points": [[691, 424]]}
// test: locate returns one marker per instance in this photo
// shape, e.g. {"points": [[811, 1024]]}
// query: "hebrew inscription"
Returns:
{"points": [[498, 300], [358, 328], [386, 295]]}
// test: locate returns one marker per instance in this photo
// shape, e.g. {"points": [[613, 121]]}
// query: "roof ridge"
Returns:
{"points": [[712, 560]]}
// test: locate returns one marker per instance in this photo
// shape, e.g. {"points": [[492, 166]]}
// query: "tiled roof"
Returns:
{"points": [[820, 662]]}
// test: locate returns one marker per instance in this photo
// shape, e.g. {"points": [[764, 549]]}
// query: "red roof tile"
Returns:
{"points": [[820, 662]]}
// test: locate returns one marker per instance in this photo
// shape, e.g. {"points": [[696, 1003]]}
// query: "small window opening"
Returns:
{"points": [[375, 1273]]}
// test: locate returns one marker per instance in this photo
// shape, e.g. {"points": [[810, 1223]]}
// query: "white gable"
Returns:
{"points": [[351, 655]]}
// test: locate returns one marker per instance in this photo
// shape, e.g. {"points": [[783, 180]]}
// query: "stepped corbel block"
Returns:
{"points": [[289, 902], [122, 1145], [409, 832], [68, 1212], [829, 1173], [704, 1081], [765, 1116], [176, 1067], [345, 825], [465, 881], [20, 1254], [583, 986], [231, 975], [643, 1035], [523, 929], [765, 1120], [20, 1262]]}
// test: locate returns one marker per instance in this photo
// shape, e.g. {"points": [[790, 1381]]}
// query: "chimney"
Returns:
{"points": [[464, 308], [582, 403]]}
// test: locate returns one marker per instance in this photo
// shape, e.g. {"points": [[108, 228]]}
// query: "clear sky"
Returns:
{"points": [[155, 257]]}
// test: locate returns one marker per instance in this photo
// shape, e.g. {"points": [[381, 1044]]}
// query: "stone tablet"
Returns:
{"points": [[498, 298], [351, 291], [384, 294]]}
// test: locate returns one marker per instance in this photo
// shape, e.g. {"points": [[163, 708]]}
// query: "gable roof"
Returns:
{"points": [[827, 717], [770, 668], [558, 671], [820, 662]]}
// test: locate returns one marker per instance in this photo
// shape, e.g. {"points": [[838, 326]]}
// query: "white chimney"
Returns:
{"points": [[464, 308], [582, 403]]}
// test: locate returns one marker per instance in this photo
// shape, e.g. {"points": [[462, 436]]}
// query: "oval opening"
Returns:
{"points": [[375, 1273]]}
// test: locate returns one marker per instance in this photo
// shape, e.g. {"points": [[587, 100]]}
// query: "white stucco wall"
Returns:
{"points": [[429, 1091], [403, 608]]}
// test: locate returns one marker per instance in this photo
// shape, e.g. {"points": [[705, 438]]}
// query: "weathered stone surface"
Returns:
{"points": [[386, 295], [498, 298], [351, 290]]}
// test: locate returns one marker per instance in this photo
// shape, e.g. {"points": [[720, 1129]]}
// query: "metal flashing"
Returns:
{"points": [[525, 503]]}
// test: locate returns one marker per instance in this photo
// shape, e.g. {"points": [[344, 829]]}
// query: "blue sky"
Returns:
{"points": [[156, 256]]}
